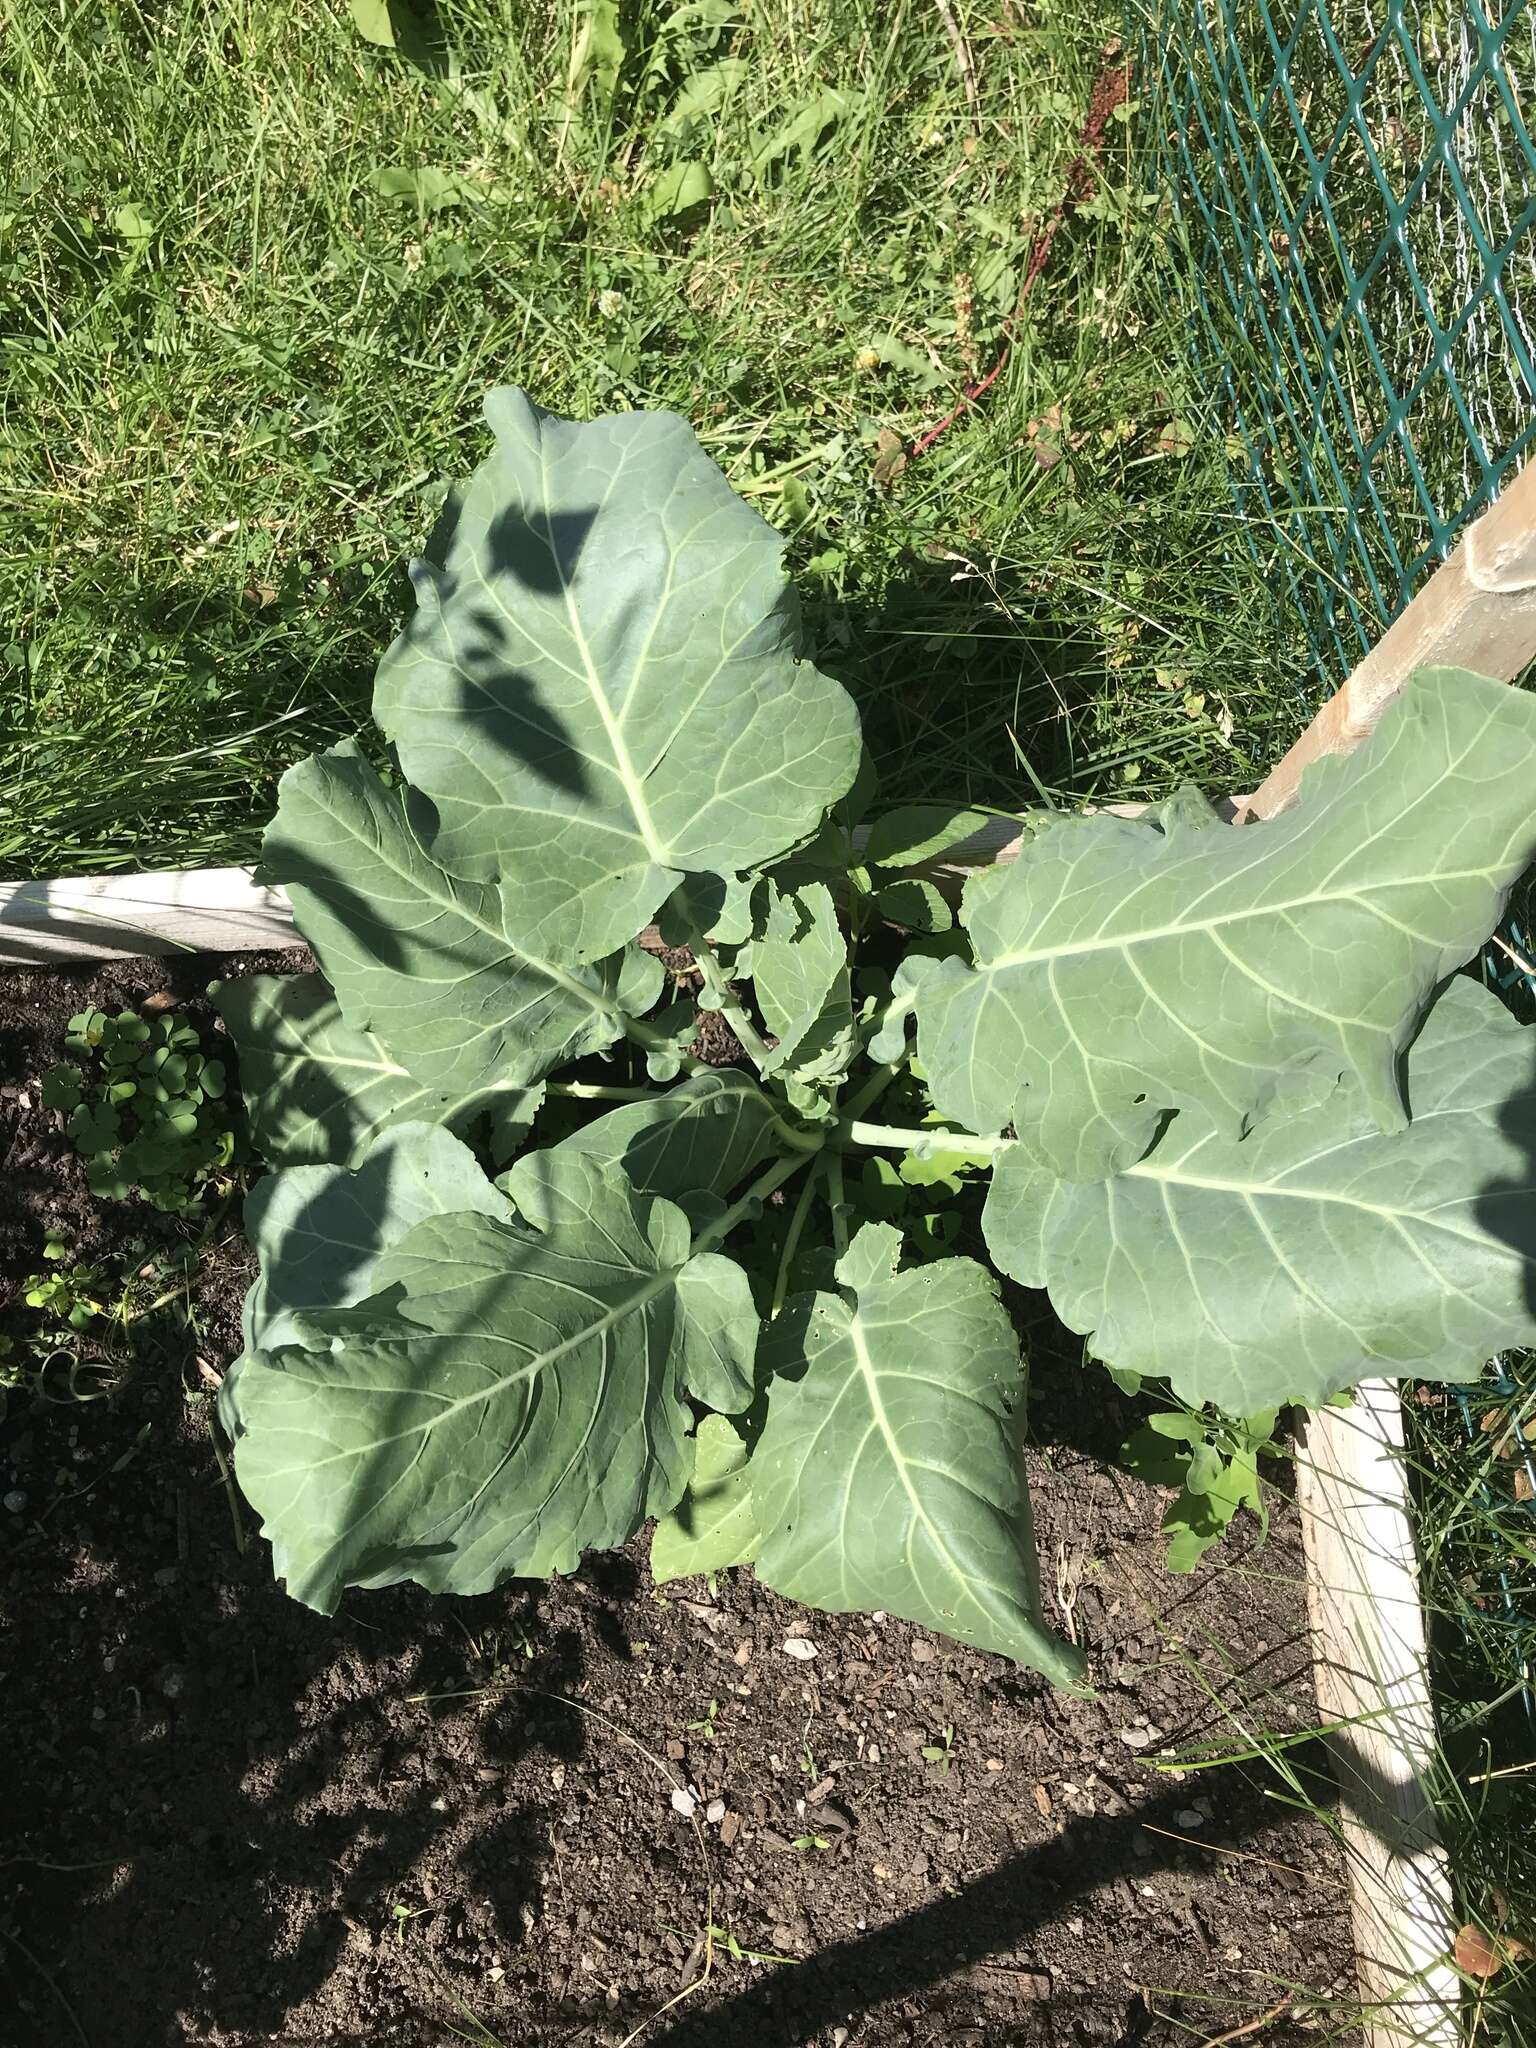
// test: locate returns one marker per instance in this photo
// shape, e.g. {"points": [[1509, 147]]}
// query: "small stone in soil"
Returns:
{"points": [[15, 1501], [801, 1648], [683, 1802], [715, 1811]]}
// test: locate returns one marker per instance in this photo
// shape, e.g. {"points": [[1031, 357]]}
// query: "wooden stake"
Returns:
{"points": [[1477, 611], [1371, 1675]]}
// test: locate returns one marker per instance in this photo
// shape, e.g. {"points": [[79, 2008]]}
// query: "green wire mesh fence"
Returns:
{"points": [[1353, 197], [1355, 191]]}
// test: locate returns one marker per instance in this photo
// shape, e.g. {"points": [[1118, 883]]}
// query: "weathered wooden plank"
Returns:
{"points": [[1372, 1680], [1477, 611], [96, 917]]}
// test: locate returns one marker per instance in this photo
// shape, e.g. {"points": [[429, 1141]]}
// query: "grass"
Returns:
{"points": [[1474, 1473], [256, 272], [259, 272]]}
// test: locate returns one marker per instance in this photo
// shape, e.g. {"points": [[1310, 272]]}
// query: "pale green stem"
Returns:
{"points": [[838, 1203], [899, 1138], [772, 1177], [727, 1003], [598, 1091], [792, 1235], [800, 1140]]}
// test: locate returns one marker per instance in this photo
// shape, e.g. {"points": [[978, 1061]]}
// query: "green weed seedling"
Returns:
{"points": [[706, 1727], [1219, 1093], [70, 1293], [941, 1752], [145, 1109], [63, 1343], [1213, 1460]]}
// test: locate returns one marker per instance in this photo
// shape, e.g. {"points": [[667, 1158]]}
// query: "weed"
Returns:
{"points": [[70, 1293], [147, 1111], [942, 1752], [1212, 1460], [706, 1728]]}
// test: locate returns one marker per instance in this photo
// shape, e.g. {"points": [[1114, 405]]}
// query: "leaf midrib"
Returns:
{"points": [[657, 1284], [455, 906], [1123, 941], [624, 767], [1262, 1190]]}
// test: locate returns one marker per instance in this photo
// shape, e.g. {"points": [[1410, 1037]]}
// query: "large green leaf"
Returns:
{"points": [[692, 1144], [502, 1402], [600, 691], [719, 1355], [1317, 1250], [890, 1472], [317, 1231], [317, 1090], [713, 1526], [914, 833], [655, 1147], [1124, 968], [422, 958]]}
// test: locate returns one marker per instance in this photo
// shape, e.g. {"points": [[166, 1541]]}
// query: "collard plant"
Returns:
{"points": [[532, 1272]]}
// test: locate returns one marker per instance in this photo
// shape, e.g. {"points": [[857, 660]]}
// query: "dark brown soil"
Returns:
{"points": [[230, 1821]]}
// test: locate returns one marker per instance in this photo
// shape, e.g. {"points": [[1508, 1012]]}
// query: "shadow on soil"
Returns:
{"points": [[234, 1810]]}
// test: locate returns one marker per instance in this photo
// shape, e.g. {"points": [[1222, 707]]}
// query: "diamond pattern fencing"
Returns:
{"points": [[1354, 190], [1353, 195]]}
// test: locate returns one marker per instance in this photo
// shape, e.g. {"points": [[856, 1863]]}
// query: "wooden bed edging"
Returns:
{"points": [[1371, 1674], [105, 917]]}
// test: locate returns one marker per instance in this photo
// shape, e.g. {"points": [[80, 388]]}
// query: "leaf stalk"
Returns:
{"points": [[772, 1177], [902, 1138], [727, 1002]]}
